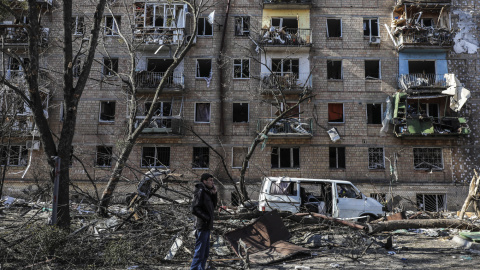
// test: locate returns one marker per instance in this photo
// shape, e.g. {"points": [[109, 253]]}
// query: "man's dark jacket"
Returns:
{"points": [[203, 205]]}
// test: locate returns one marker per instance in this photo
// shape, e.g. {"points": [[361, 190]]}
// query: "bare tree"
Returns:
{"points": [[132, 79], [72, 89]]}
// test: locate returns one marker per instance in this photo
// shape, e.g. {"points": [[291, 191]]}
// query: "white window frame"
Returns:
{"points": [[205, 21], [156, 160], [437, 168], [233, 156], [76, 27], [241, 68], [241, 21], [341, 27], [114, 27], [22, 160], [96, 156], [383, 159], [100, 112], [209, 112], [370, 25], [197, 67], [379, 70]]}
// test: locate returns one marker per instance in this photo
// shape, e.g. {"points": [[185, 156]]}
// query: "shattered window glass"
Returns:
{"points": [[335, 113], [107, 111], [285, 157], [241, 68], [104, 156], [204, 68], [374, 113], [14, 155], [337, 157], [155, 156], [334, 28], [428, 158], [200, 157], [372, 69], [111, 25], [204, 28], [334, 70], [375, 158], [370, 27], [242, 26], [240, 112]]}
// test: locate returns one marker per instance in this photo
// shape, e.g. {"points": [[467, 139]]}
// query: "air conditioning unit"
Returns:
{"points": [[33, 145], [187, 39], [374, 40]]}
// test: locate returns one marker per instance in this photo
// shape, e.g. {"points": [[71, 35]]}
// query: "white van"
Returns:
{"points": [[334, 198]]}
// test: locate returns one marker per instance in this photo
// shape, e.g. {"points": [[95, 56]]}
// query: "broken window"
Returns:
{"points": [[78, 26], [204, 27], [432, 202], [104, 156], [111, 25], [14, 155], [427, 22], [285, 23], [376, 158], [370, 27], [335, 113], [77, 68], [201, 157], [337, 157], [155, 156], [372, 69], [204, 68], [110, 66], [431, 109], [427, 158], [242, 26], [240, 112], [334, 28], [421, 67], [374, 113], [334, 69], [285, 157], [161, 114], [238, 155], [283, 188], [285, 67], [202, 112], [241, 68], [107, 111]]}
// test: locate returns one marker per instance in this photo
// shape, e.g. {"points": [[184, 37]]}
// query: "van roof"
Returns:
{"points": [[294, 179]]}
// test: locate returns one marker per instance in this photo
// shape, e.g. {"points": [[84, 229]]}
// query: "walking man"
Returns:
{"points": [[203, 205]]}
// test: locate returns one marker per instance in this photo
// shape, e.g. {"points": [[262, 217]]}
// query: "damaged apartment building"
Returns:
{"points": [[393, 106]]}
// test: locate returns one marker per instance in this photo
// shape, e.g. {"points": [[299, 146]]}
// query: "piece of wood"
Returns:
{"points": [[472, 195], [421, 223]]}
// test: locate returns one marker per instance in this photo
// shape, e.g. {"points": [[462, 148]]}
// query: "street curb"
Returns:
{"points": [[465, 243]]}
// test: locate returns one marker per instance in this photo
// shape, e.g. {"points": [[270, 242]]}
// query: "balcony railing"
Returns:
{"points": [[163, 125], [288, 127], [410, 81], [286, 37], [432, 126], [430, 37], [16, 34], [286, 81], [159, 35], [150, 79]]}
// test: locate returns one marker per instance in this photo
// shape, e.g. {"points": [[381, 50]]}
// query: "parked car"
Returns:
{"points": [[334, 198]]}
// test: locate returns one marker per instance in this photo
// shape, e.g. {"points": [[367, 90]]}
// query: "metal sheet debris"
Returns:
{"points": [[177, 244], [266, 240]]}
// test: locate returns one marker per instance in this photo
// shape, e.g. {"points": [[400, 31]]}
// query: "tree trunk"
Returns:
{"points": [[472, 195], [421, 223]]}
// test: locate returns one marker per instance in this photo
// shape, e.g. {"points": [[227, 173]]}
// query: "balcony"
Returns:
{"points": [[420, 2], [149, 80], [290, 127], [165, 125], [423, 38], [287, 82], [287, 4], [286, 37], [156, 36], [16, 35], [422, 83]]}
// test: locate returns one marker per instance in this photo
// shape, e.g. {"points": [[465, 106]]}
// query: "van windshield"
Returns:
{"points": [[283, 188]]}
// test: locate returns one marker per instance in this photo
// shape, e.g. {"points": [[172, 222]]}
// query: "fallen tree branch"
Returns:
{"points": [[334, 220], [420, 223]]}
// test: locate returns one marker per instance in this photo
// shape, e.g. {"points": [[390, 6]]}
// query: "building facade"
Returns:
{"points": [[394, 106]]}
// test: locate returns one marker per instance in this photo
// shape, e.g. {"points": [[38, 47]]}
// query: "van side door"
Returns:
{"points": [[350, 202]]}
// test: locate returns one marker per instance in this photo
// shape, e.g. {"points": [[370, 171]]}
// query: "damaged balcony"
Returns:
{"points": [[159, 23], [148, 81], [422, 25], [289, 127], [287, 4], [281, 37], [422, 83], [286, 82], [433, 115], [163, 125], [16, 35]]}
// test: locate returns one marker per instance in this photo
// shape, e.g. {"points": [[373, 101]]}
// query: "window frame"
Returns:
{"points": [[337, 156], [205, 24], [371, 159], [292, 157], [108, 156], [233, 156], [78, 25], [113, 29], [103, 113], [426, 168], [248, 112], [203, 154], [437, 208], [379, 70], [369, 19], [242, 60], [343, 114], [110, 66], [197, 67], [156, 157], [341, 70], [21, 156], [285, 64], [239, 21], [367, 114], [341, 27], [209, 112]]}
